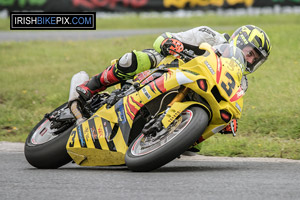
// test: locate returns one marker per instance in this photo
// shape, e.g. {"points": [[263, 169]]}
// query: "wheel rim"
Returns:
{"points": [[43, 134], [142, 146]]}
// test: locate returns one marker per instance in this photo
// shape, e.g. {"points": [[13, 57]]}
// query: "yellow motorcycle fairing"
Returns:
{"points": [[103, 139], [221, 78]]}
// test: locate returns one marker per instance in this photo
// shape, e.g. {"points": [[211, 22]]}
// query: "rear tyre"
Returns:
{"points": [[187, 128], [45, 150]]}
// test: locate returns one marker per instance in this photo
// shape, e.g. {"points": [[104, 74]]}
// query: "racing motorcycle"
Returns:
{"points": [[150, 120]]}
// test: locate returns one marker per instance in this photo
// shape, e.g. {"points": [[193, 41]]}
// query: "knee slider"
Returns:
{"points": [[127, 63], [126, 60]]}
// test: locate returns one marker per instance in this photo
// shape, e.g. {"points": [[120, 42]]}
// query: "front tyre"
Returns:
{"points": [[46, 150], [146, 154]]}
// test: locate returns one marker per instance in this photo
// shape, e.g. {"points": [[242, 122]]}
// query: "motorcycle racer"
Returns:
{"points": [[252, 40]]}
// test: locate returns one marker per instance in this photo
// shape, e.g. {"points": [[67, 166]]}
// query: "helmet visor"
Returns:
{"points": [[257, 57]]}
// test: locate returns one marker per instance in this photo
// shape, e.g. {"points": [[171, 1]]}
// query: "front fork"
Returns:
{"points": [[155, 125], [180, 96]]}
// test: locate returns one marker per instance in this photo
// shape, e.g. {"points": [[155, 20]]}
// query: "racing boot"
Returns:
{"points": [[98, 83]]}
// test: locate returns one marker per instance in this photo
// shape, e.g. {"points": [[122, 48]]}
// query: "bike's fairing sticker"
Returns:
{"points": [[158, 85], [219, 68], [182, 79], [94, 134], [238, 95], [108, 130], [81, 136], [122, 120]]}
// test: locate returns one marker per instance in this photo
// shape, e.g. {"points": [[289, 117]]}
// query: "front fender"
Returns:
{"points": [[177, 108]]}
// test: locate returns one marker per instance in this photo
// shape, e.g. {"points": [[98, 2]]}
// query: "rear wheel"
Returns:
{"points": [[147, 153], [45, 147]]}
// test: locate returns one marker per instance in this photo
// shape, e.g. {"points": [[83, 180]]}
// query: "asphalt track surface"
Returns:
{"points": [[194, 177]]}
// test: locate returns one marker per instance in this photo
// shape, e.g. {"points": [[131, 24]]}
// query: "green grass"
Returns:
{"points": [[35, 78]]}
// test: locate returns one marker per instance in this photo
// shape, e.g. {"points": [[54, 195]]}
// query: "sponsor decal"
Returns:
{"points": [[108, 131], [86, 133], [209, 67], [94, 134], [238, 106], [124, 126], [238, 95], [100, 132], [206, 30], [121, 113], [81, 137], [146, 93]]}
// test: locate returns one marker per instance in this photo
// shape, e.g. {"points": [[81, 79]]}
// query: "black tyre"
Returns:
{"points": [[45, 150], [146, 155]]}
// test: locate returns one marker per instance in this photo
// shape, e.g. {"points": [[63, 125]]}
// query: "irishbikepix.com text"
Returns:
{"points": [[48, 21]]}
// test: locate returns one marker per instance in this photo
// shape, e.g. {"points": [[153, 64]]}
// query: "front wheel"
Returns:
{"points": [[147, 153], [45, 147]]}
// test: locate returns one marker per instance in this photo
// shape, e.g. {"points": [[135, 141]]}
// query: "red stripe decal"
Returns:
{"points": [[160, 84], [131, 107], [152, 87], [219, 68], [129, 113], [137, 103], [238, 95]]}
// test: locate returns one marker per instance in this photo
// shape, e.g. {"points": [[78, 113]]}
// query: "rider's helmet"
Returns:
{"points": [[255, 38]]}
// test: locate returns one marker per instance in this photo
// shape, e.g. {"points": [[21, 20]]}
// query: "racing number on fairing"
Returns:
{"points": [[230, 85], [71, 144]]}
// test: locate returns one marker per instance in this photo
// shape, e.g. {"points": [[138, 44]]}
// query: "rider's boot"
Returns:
{"points": [[98, 83]]}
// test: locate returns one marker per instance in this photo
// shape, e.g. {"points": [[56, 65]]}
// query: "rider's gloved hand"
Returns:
{"points": [[169, 45], [228, 129]]}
